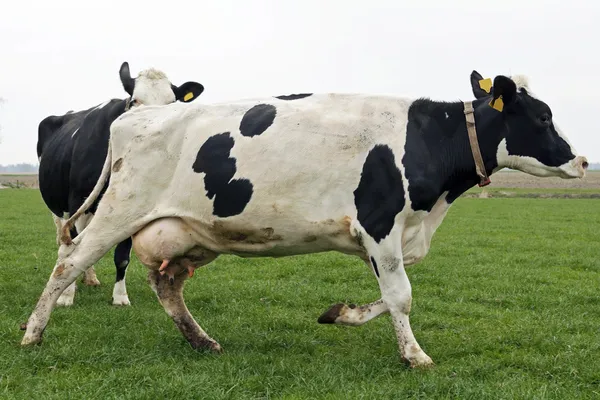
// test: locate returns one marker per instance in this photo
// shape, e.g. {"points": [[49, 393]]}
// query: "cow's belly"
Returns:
{"points": [[170, 238]]}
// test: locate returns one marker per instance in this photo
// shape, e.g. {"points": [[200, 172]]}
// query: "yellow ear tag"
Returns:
{"points": [[486, 84], [498, 105], [188, 96]]}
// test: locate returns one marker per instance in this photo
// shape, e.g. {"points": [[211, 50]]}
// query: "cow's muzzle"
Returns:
{"points": [[576, 167]]}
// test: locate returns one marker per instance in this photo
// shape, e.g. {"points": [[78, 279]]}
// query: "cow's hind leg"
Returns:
{"points": [[169, 291], [72, 261], [111, 226], [122, 259], [387, 263], [89, 277]]}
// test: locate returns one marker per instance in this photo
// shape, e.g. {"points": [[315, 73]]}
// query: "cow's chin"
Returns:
{"points": [[531, 166], [573, 169]]}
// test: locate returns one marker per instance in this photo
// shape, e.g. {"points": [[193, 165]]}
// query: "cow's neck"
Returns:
{"points": [[438, 155]]}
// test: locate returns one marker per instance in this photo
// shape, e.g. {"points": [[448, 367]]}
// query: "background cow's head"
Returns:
{"points": [[531, 142], [152, 87]]}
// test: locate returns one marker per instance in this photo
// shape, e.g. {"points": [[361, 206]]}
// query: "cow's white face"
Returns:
{"points": [[152, 88]]}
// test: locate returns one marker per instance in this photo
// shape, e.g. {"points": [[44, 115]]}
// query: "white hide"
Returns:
{"points": [[317, 167]]}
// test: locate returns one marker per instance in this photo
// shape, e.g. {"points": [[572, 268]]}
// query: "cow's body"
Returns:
{"points": [[71, 150], [369, 176], [319, 174]]}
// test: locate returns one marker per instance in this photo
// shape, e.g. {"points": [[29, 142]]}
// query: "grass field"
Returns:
{"points": [[507, 304]]}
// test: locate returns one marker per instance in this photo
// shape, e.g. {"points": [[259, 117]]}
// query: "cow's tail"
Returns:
{"points": [[65, 237]]}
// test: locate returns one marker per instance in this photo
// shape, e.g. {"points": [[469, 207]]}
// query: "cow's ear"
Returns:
{"points": [[126, 79], [504, 91], [481, 87], [188, 91]]}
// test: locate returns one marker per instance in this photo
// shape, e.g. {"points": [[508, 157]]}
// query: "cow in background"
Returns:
{"points": [[71, 149]]}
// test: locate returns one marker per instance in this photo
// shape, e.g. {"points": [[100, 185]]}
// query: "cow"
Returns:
{"points": [[71, 150], [369, 176]]}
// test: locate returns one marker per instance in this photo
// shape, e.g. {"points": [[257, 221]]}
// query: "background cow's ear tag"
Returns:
{"points": [[486, 85], [497, 105], [188, 96]]}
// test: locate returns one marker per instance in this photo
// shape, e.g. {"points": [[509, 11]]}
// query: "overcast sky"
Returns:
{"points": [[64, 55]]}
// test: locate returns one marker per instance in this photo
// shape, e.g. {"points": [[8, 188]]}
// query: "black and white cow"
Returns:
{"points": [[364, 175], [72, 148]]}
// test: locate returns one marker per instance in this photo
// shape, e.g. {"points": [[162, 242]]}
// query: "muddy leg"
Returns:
{"points": [[170, 296], [66, 270], [111, 226]]}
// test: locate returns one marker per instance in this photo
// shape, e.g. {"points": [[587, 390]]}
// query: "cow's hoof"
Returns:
{"points": [[91, 282], [64, 301], [121, 300], [207, 345], [419, 361], [329, 316], [30, 340], [216, 348]]}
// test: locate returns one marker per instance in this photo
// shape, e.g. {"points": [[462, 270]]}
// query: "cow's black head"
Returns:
{"points": [[152, 87], [532, 143]]}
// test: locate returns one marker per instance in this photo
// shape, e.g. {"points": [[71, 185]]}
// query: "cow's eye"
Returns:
{"points": [[545, 119]]}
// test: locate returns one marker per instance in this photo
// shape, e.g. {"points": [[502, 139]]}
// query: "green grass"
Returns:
{"points": [[507, 304], [525, 192]]}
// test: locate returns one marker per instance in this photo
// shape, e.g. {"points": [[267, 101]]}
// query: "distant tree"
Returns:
{"points": [[19, 168]]}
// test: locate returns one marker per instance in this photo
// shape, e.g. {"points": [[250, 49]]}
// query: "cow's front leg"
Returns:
{"points": [[385, 256], [396, 292]]}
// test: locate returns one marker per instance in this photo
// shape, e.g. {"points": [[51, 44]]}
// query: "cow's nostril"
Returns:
{"points": [[584, 164]]}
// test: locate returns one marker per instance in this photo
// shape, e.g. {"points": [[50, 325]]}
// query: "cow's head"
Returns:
{"points": [[152, 87], [531, 142]]}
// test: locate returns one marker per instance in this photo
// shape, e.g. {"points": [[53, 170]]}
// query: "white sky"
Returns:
{"points": [[60, 55]]}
